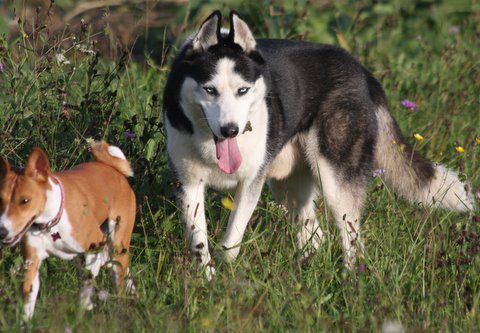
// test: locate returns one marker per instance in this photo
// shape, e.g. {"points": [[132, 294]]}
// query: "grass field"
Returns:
{"points": [[421, 266]]}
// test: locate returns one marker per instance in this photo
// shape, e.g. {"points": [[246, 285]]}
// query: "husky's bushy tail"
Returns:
{"points": [[414, 176], [111, 156]]}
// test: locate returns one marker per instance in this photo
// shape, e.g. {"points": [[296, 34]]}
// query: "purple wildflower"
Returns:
{"points": [[130, 135], [1, 68], [102, 295], [409, 104], [378, 172]]}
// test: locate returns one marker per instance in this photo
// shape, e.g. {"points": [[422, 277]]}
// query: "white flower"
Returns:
{"points": [[61, 59], [84, 49]]}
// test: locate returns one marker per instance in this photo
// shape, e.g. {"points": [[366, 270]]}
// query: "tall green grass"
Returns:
{"points": [[421, 266]]}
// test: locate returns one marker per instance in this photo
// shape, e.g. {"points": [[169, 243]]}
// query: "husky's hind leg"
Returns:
{"points": [[345, 198], [298, 192]]}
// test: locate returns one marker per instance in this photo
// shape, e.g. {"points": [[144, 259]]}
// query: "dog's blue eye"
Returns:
{"points": [[211, 91], [243, 91]]}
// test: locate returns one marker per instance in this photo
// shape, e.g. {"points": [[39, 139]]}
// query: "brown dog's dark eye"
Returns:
{"points": [[24, 201]]}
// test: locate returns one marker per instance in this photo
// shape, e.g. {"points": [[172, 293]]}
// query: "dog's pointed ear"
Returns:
{"points": [[209, 32], [38, 166], [240, 33], [4, 168]]}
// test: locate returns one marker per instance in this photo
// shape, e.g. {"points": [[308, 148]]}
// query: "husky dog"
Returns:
{"points": [[240, 111]]}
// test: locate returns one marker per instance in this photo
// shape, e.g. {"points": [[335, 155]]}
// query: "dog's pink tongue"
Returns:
{"points": [[228, 155]]}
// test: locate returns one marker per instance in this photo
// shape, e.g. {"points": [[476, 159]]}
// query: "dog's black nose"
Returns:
{"points": [[3, 233], [229, 130]]}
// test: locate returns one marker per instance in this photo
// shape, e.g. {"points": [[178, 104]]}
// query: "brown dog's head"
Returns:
{"points": [[23, 196]]}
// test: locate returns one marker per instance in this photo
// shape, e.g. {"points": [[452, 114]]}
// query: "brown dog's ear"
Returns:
{"points": [[209, 32], [240, 33], [38, 166], [4, 168]]}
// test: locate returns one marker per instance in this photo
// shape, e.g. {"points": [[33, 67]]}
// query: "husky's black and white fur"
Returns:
{"points": [[307, 118]]}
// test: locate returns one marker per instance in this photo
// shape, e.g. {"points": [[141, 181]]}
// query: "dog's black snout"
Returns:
{"points": [[229, 131], [3, 232]]}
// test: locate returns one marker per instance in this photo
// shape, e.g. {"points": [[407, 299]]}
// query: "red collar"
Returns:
{"points": [[53, 222]]}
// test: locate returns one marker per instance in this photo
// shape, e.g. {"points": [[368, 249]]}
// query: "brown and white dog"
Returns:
{"points": [[63, 214]]}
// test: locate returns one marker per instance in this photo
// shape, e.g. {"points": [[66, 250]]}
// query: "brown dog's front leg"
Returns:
{"points": [[31, 283]]}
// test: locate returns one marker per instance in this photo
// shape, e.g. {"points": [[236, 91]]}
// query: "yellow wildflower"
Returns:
{"points": [[418, 137], [207, 323], [25, 35], [227, 203], [477, 140], [459, 149]]}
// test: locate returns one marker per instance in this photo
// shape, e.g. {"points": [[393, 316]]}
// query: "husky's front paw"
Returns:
{"points": [[209, 272], [308, 241], [230, 253], [351, 255], [207, 269], [203, 262]]}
